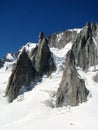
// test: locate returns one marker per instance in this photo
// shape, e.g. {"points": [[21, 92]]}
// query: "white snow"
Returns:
{"points": [[34, 110], [29, 46], [10, 57], [59, 36], [76, 29]]}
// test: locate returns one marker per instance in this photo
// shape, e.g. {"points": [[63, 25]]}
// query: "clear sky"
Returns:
{"points": [[22, 20]]}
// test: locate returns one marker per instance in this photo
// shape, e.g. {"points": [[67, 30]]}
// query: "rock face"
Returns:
{"points": [[72, 90], [22, 75], [41, 36], [59, 40], [42, 58], [30, 67], [1, 63], [85, 47]]}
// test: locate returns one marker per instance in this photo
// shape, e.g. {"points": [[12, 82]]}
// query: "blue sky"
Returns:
{"points": [[22, 20]]}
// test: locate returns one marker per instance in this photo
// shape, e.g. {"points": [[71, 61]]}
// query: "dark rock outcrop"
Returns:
{"points": [[85, 47], [60, 39], [42, 58], [1, 63], [22, 75], [72, 90], [41, 36]]}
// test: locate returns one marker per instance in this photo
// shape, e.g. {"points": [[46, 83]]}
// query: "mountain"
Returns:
{"points": [[84, 54], [22, 75], [52, 84], [85, 47], [30, 67], [72, 90], [60, 39]]}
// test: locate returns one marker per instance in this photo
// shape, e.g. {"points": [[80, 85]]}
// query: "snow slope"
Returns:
{"points": [[35, 110]]}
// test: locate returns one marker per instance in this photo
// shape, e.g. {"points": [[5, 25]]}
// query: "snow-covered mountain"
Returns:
{"points": [[36, 108]]}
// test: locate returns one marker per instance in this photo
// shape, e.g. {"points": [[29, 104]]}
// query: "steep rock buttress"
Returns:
{"points": [[85, 47], [22, 75], [72, 90]]}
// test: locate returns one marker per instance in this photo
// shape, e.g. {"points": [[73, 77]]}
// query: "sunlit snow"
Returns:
{"points": [[35, 110]]}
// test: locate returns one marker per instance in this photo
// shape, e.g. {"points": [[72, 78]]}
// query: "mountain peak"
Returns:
{"points": [[41, 36]]}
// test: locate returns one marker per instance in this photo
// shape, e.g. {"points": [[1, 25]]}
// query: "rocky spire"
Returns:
{"points": [[72, 90], [22, 76], [88, 24], [85, 48], [42, 58], [94, 29], [41, 36], [93, 26]]}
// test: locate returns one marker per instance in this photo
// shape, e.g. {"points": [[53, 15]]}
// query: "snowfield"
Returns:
{"points": [[35, 109]]}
